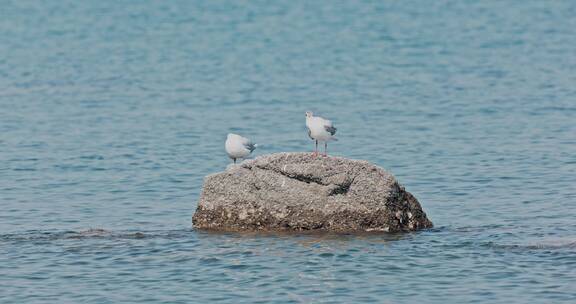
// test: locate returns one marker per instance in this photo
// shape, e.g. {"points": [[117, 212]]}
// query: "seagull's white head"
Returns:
{"points": [[309, 114]]}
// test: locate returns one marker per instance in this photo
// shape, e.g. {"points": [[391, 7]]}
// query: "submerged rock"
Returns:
{"points": [[296, 191]]}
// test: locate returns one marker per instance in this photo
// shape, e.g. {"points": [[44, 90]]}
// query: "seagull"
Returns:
{"points": [[238, 146], [320, 129]]}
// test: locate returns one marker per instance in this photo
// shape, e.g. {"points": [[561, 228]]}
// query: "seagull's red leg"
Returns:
{"points": [[316, 150], [325, 148]]}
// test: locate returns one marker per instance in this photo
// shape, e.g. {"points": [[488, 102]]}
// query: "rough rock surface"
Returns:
{"points": [[296, 191]]}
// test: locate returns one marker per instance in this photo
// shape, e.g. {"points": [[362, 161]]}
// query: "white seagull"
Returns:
{"points": [[238, 146], [320, 129]]}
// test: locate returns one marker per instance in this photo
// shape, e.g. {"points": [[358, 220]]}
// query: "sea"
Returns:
{"points": [[113, 112]]}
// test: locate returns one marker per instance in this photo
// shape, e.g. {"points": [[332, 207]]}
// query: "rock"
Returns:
{"points": [[296, 191]]}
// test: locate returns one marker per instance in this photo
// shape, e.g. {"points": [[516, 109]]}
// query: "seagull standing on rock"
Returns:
{"points": [[238, 146], [320, 129]]}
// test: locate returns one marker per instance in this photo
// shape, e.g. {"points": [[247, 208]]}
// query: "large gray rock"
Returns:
{"points": [[296, 191]]}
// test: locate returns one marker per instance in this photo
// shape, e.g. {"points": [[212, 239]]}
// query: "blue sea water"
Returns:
{"points": [[112, 112]]}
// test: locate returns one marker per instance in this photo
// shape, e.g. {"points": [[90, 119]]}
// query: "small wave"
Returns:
{"points": [[92, 233], [539, 245]]}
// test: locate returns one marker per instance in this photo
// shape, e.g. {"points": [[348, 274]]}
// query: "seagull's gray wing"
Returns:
{"points": [[330, 129], [309, 133]]}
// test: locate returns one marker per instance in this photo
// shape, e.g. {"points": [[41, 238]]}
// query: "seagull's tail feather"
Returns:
{"points": [[250, 146], [334, 138]]}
